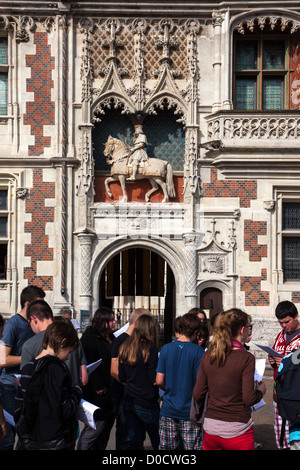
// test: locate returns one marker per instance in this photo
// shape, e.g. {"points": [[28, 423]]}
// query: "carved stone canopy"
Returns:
{"points": [[268, 20]]}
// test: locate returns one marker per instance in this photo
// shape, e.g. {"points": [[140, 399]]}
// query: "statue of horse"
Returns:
{"points": [[158, 172]]}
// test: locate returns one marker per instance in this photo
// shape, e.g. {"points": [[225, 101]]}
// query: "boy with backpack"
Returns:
{"points": [[46, 402], [286, 395], [287, 341]]}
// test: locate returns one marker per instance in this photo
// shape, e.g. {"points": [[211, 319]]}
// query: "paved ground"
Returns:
{"points": [[263, 418]]}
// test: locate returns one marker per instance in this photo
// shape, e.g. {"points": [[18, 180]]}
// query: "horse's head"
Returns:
{"points": [[115, 149], [109, 146]]}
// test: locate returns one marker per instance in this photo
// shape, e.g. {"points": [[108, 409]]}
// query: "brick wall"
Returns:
{"points": [[39, 249], [39, 113], [252, 229], [245, 190]]}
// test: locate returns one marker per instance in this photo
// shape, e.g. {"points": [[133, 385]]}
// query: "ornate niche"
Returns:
{"points": [[140, 70], [214, 259]]}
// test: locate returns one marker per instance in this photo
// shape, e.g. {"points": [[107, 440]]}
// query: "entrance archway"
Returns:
{"points": [[139, 277]]}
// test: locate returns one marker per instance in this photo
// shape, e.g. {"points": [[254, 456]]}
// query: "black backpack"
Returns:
{"points": [[287, 389], [25, 417]]}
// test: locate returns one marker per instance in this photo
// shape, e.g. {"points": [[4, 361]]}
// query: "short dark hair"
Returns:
{"points": [[60, 333], [286, 309], [190, 326], [31, 293], [39, 309]]}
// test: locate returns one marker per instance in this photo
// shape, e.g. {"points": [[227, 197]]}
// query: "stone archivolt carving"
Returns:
{"points": [[22, 26], [263, 21]]}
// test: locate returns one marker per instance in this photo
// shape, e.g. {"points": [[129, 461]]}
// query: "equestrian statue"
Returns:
{"points": [[132, 163]]}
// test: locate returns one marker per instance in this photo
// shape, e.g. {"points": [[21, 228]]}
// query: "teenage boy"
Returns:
{"points": [[16, 331], [177, 370], [287, 341]]}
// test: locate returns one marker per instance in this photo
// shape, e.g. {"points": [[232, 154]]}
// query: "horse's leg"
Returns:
{"points": [[122, 179], [152, 190], [163, 186], [107, 182]]}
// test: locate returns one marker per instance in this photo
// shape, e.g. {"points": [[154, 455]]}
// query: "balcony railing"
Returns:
{"points": [[254, 128]]}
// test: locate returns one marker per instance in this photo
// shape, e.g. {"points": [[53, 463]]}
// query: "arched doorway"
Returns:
{"points": [[139, 277], [211, 300]]}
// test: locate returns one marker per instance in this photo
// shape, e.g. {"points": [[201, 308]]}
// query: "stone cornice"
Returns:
{"points": [[131, 8]]}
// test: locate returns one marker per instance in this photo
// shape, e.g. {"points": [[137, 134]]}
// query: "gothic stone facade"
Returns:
{"points": [[74, 73]]}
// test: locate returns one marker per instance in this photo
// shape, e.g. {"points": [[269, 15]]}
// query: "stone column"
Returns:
{"points": [[86, 242], [191, 269], [217, 65]]}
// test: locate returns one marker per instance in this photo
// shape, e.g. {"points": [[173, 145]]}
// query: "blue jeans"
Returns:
{"points": [[122, 439], [7, 395], [138, 421]]}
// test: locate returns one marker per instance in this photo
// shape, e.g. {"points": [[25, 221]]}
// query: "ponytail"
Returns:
{"points": [[226, 327]]}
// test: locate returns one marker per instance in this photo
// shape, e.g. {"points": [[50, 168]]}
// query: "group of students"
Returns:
{"points": [[138, 386]]}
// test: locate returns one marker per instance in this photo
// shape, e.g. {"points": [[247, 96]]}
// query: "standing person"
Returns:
{"points": [[200, 312], [226, 373], [2, 323], [46, 403], [176, 374], [40, 316], [137, 370], [16, 331], [122, 439], [66, 312], [3, 427], [287, 341], [97, 343]]}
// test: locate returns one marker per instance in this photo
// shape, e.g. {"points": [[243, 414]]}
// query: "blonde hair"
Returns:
{"points": [[145, 333], [227, 326]]}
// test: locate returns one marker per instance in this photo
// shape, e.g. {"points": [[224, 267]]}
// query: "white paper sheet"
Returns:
{"points": [[260, 365], [269, 350], [9, 418], [85, 413], [121, 330], [91, 367]]}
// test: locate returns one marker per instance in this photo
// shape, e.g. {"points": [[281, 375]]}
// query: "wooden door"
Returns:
{"points": [[211, 300]]}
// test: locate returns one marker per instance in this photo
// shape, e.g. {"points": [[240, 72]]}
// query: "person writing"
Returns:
{"points": [[226, 373]]}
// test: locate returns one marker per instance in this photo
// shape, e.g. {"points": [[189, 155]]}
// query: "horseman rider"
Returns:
{"points": [[138, 154]]}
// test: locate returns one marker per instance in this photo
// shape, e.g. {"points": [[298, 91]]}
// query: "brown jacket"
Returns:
{"points": [[231, 387]]}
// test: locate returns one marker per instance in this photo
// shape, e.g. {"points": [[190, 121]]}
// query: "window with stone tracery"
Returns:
{"points": [[266, 71]]}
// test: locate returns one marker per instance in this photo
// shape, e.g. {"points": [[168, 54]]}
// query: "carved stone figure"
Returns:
{"points": [[158, 172], [138, 153]]}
